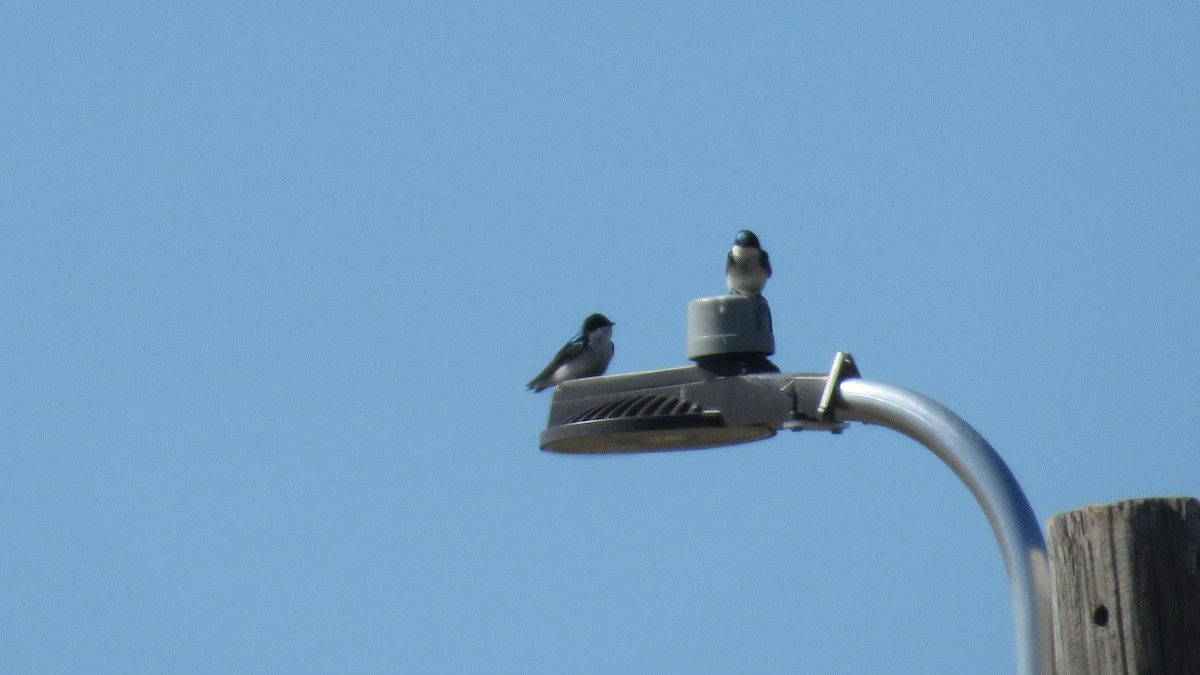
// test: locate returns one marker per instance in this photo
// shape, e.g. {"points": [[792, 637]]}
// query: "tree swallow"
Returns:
{"points": [[747, 266], [585, 355]]}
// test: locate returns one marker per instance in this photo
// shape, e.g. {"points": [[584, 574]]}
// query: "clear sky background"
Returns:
{"points": [[274, 276]]}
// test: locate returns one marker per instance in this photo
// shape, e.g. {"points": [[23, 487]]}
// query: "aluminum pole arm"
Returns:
{"points": [[974, 460]]}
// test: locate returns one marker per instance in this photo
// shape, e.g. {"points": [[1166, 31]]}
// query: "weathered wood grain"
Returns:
{"points": [[1126, 580]]}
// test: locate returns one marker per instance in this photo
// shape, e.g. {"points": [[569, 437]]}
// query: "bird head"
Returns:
{"points": [[594, 322], [746, 239]]}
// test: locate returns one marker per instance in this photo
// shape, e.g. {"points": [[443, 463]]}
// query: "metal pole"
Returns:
{"points": [[979, 466]]}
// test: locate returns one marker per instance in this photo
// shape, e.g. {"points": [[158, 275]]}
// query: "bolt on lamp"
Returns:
{"points": [[735, 394]]}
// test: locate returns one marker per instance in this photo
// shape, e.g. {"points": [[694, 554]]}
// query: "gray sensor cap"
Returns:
{"points": [[728, 325]]}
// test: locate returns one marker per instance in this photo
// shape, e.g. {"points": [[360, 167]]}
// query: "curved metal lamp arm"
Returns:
{"points": [[979, 466]]}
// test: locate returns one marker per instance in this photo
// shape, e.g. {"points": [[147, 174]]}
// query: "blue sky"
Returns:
{"points": [[275, 273]]}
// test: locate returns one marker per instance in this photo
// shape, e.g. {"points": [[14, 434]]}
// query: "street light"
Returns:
{"points": [[734, 394]]}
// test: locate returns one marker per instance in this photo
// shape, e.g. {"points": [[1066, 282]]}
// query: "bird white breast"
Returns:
{"points": [[745, 274], [592, 361]]}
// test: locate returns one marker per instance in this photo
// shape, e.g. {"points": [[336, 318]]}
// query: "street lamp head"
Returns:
{"points": [[653, 411], [734, 394], [678, 408]]}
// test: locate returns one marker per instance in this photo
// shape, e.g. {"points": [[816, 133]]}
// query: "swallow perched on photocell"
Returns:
{"points": [[585, 355], [747, 266]]}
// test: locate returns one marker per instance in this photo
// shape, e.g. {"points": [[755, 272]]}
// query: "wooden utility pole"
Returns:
{"points": [[1126, 580]]}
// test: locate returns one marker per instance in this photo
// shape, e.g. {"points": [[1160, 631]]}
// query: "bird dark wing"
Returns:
{"points": [[569, 350], [766, 263]]}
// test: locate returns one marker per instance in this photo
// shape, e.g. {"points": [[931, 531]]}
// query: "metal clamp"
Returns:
{"points": [[821, 419]]}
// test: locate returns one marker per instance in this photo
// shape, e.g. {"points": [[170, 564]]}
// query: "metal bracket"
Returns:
{"points": [[821, 419]]}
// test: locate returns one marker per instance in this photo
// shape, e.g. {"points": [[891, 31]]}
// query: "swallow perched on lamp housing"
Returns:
{"points": [[747, 266], [585, 355]]}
